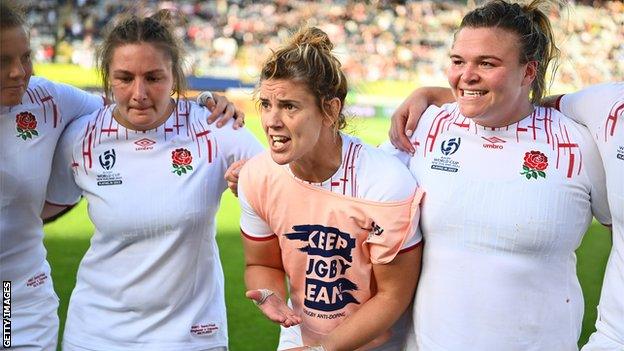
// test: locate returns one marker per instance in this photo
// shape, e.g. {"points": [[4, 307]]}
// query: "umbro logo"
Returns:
{"points": [[493, 143], [144, 144]]}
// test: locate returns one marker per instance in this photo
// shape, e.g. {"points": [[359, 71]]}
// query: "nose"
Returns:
{"points": [[272, 118], [17, 70], [469, 74], [139, 92]]}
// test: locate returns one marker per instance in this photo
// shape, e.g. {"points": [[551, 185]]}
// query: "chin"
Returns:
{"points": [[280, 159], [11, 99]]}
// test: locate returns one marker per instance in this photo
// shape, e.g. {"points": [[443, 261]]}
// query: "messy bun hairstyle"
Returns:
{"points": [[132, 29], [307, 58]]}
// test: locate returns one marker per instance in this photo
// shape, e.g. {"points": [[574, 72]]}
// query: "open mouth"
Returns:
{"points": [[278, 141]]}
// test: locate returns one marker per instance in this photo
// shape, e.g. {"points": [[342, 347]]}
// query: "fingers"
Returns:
{"points": [[231, 175], [239, 115], [221, 109], [398, 128], [274, 308]]}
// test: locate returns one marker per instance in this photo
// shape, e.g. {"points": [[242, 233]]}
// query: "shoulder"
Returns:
{"points": [[382, 177], [199, 116], [259, 164], [592, 104], [57, 90], [81, 127], [596, 93], [257, 173]]}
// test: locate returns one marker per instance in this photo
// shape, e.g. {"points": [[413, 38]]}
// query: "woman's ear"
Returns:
{"points": [[331, 109], [530, 73]]}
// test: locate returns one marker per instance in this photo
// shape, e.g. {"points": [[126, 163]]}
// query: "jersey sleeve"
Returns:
{"points": [[74, 102], [236, 144], [589, 106], [251, 224], [596, 177], [398, 184], [402, 156], [62, 188]]}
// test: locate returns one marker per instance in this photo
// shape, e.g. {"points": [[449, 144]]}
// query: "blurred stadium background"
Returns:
{"points": [[387, 48]]}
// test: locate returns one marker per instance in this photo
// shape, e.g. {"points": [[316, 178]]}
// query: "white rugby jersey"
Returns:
{"points": [[28, 136], [152, 278], [365, 173], [504, 210], [360, 176], [601, 109]]}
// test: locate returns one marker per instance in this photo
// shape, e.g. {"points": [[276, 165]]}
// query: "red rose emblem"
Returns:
{"points": [[26, 125], [534, 165], [26, 121], [536, 160], [181, 157], [181, 161]]}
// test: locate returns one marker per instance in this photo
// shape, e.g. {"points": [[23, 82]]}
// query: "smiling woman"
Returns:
{"points": [[508, 197]]}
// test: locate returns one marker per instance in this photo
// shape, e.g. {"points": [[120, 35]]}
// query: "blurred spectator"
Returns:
{"points": [[393, 40]]}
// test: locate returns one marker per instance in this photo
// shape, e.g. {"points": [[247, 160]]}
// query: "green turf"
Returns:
{"points": [[68, 238]]}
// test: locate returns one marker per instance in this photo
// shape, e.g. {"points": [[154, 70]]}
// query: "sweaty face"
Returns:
{"points": [[15, 65], [291, 119], [141, 80], [487, 79]]}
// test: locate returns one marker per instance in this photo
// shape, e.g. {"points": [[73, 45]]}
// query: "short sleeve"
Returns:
{"points": [[597, 179], [235, 144], [251, 224], [75, 103], [402, 156], [384, 247], [589, 106], [62, 188]]}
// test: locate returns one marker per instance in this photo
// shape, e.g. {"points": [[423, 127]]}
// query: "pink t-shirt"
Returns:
{"points": [[328, 241]]}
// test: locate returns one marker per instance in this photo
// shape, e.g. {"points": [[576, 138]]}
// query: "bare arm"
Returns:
{"points": [[264, 270], [396, 282], [405, 118]]}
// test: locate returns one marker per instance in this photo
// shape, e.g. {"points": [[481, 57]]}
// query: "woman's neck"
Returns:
{"points": [[323, 161]]}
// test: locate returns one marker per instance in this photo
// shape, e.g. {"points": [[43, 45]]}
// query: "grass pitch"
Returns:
{"points": [[68, 238]]}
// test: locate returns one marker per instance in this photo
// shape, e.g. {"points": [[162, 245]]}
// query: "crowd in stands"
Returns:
{"points": [[389, 40]]}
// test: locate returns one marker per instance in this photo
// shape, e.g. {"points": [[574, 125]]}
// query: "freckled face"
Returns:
{"points": [[291, 119], [15, 65], [141, 79], [490, 84]]}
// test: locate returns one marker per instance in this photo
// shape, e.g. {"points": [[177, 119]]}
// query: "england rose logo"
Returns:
{"points": [[181, 161], [535, 163], [26, 125]]}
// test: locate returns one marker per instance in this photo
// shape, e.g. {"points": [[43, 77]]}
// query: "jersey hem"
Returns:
{"points": [[60, 205], [258, 238], [410, 248], [77, 345]]}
